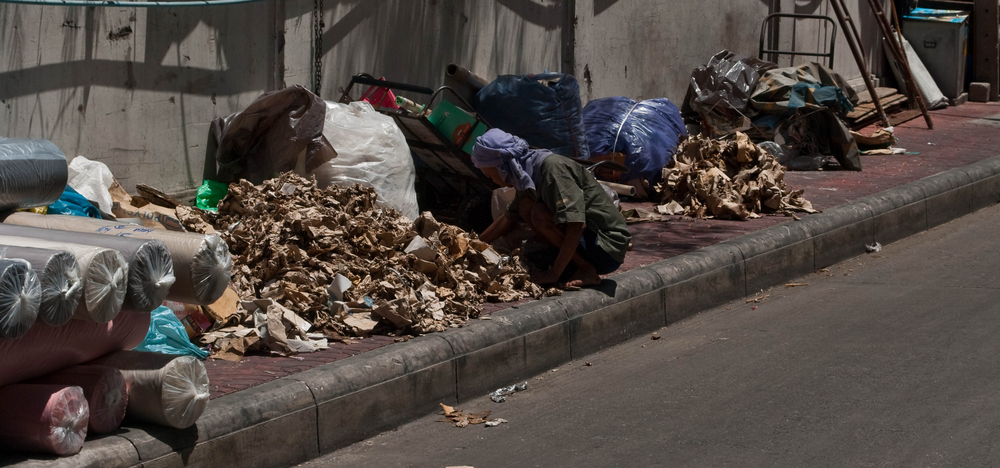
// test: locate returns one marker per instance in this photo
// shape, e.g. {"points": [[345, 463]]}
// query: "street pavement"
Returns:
{"points": [[889, 359]]}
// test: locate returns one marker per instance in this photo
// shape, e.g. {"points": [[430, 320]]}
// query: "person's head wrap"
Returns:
{"points": [[519, 165]]}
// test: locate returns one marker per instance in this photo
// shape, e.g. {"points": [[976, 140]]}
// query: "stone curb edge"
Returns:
{"points": [[299, 417]]}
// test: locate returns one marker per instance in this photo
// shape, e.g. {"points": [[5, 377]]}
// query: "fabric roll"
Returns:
{"points": [[163, 389], [32, 173], [103, 271], [43, 418], [104, 388], [20, 296], [150, 269], [201, 262], [47, 349], [59, 275]]}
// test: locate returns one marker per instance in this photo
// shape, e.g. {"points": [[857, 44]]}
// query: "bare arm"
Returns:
{"points": [[500, 226]]}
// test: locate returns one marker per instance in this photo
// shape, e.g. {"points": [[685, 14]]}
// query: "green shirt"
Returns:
{"points": [[574, 196]]}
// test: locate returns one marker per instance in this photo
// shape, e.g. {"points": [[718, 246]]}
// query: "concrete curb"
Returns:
{"points": [[298, 417]]}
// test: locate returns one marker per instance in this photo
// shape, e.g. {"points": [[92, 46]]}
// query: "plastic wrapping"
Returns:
{"points": [[32, 173], [646, 132], [723, 86], [372, 151], [104, 273], [92, 179], [43, 418], [545, 110], [59, 275], [150, 268], [47, 349], [163, 389], [271, 136], [168, 336], [209, 195], [104, 388], [201, 262], [72, 203], [20, 295]]}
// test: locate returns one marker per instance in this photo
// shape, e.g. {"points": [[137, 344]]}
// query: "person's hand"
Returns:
{"points": [[545, 278]]}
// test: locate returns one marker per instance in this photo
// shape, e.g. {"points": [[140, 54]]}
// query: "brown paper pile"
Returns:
{"points": [[727, 179], [290, 239]]}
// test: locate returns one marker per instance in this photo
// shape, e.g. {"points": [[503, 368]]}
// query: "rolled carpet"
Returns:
{"points": [[104, 388], [47, 349], [150, 269], [162, 388], [20, 295], [32, 173], [201, 262], [43, 418], [104, 273], [59, 275]]}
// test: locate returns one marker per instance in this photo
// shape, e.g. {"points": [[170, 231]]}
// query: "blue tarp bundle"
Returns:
{"points": [[647, 132], [545, 110]]}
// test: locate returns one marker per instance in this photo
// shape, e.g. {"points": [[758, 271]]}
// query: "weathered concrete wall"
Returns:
{"points": [[134, 88], [645, 49], [413, 41], [138, 88]]}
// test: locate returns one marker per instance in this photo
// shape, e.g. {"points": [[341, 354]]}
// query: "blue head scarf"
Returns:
{"points": [[519, 165]]}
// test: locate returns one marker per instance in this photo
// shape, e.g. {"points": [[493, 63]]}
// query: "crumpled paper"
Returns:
{"points": [[290, 239], [726, 178]]}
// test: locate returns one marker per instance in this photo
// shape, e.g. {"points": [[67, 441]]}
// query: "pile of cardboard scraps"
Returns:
{"points": [[728, 179], [346, 265]]}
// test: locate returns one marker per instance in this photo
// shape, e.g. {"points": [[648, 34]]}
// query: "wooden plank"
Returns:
{"points": [[865, 98], [904, 116], [986, 45]]}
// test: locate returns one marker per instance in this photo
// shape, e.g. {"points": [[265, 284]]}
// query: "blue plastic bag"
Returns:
{"points": [[545, 110], [72, 203], [646, 132], [167, 335]]}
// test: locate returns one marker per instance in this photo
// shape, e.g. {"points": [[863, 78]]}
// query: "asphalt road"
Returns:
{"points": [[890, 359]]}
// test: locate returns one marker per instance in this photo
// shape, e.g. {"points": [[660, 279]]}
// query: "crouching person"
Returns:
{"points": [[561, 202]]}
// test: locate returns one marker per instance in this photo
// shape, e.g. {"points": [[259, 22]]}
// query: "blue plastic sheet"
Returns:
{"points": [[647, 132], [72, 203], [167, 335], [545, 110]]}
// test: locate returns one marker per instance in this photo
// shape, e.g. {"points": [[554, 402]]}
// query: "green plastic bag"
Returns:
{"points": [[210, 193]]}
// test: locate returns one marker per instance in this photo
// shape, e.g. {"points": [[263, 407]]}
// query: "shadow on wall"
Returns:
{"points": [[413, 41], [163, 66]]}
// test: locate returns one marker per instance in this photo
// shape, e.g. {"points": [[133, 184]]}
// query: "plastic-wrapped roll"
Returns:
{"points": [[43, 418], [105, 390], [47, 349], [104, 273], [59, 274], [32, 173], [202, 262], [163, 389], [150, 269], [20, 295]]}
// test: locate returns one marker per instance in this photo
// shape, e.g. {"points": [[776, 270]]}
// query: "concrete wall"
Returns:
{"points": [[137, 88], [134, 88]]}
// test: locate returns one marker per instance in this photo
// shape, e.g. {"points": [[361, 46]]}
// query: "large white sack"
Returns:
{"points": [[372, 151]]}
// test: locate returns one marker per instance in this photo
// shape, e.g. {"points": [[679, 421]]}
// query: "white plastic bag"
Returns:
{"points": [[372, 151], [92, 180]]}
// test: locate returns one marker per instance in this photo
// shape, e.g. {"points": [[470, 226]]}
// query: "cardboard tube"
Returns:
{"points": [[59, 275], [104, 388], [43, 418], [104, 273], [201, 262], [620, 189], [163, 389], [150, 268]]}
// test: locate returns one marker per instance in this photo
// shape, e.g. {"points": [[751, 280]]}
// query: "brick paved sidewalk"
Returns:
{"points": [[962, 135]]}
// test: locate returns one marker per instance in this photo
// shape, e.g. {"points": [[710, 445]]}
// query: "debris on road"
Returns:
{"points": [[872, 248], [458, 418], [655, 336], [758, 298], [496, 422], [793, 285], [500, 395]]}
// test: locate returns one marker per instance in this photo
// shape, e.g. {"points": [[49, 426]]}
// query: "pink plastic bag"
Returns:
{"points": [[380, 96]]}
